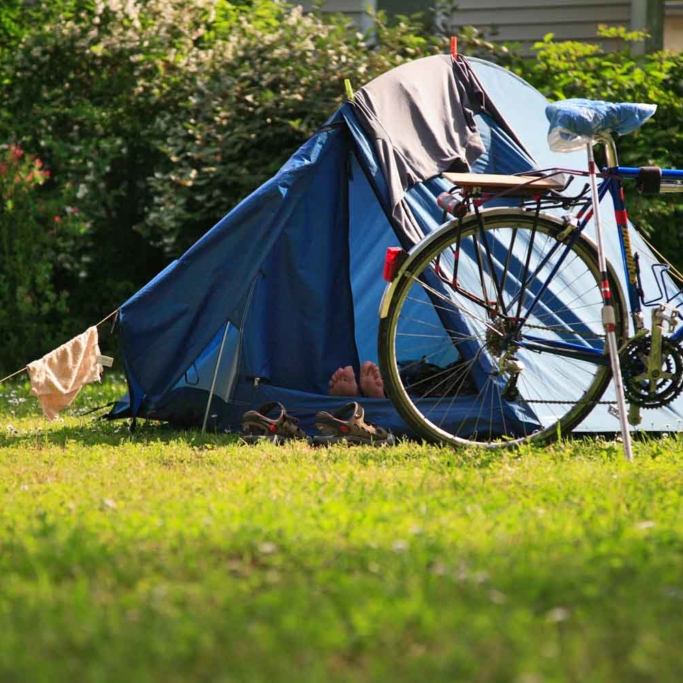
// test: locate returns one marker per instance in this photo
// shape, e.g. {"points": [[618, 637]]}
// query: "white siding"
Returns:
{"points": [[354, 9], [673, 25], [529, 20]]}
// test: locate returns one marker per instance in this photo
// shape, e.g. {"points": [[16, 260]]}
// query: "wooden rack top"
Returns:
{"points": [[520, 183]]}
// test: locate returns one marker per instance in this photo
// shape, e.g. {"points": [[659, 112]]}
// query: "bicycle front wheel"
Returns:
{"points": [[492, 333]]}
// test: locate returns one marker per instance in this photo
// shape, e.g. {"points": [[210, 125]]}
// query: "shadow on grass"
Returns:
{"points": [[100, 431]]}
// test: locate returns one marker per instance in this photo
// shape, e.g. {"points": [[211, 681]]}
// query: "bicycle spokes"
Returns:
{"points": [[467, 367]]}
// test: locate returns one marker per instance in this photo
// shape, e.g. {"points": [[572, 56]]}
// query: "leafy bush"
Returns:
{"points": [[250, 101], [161, 115], [37, 249], [85, 93]]}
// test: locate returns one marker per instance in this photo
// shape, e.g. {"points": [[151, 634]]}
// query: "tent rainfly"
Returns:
{"points": [[286, 288]]}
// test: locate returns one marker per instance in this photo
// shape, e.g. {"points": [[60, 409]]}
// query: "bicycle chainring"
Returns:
{"points": [[634, 359]]}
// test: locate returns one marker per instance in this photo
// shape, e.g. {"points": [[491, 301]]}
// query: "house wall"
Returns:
{"points": [[527, 21], [354, 9], [673, 25]]}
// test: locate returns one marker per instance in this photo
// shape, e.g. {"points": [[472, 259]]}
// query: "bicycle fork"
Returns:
{"points": [[608, 317]]}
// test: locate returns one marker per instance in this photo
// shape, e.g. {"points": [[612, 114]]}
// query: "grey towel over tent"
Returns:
{"points": [[426, 109]]}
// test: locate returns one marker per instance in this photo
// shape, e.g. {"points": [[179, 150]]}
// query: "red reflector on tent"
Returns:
{"points": [[392, 262]]}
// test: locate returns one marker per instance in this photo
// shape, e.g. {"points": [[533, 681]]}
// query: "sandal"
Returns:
{"points": [[347, 425], [279, 427]]}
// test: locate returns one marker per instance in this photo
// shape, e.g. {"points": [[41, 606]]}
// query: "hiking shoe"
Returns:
{"points": [[348, 425], [270, 423]]}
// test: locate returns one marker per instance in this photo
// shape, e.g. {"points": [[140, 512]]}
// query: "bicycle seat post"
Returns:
{"points": [[608, 317], [610, 149]]}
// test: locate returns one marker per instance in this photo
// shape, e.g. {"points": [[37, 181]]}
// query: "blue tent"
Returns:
{"points": [[286, 288]]}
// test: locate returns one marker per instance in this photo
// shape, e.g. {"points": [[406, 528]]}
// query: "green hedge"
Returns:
{"points": [[36, 236], [156, 117]]}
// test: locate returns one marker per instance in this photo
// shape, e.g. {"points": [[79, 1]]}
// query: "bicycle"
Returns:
{"points": [[495, 329]]}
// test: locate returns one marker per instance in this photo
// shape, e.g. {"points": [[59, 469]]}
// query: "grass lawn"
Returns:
{"points": [[175, 557]]}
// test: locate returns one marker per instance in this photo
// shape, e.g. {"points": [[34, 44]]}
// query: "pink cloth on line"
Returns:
{"points": [[58, 376]]}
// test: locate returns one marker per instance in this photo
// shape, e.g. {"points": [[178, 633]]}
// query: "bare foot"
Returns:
{"points": [[343, 382], [371, 383]]}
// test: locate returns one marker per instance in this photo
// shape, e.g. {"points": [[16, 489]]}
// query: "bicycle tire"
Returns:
{"points": [[480, 376]]}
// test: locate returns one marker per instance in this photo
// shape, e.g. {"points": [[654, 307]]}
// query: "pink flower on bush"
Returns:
{"points": [[58, 220]]}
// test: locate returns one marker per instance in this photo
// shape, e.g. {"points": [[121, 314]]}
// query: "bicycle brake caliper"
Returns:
{"points": [[570, 224]]}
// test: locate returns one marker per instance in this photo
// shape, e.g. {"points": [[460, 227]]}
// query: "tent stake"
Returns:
{"points": [[215, 376]]}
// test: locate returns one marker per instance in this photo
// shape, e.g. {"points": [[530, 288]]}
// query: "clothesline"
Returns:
{"points": [[18, 372], [14, 374], [104, 320]]}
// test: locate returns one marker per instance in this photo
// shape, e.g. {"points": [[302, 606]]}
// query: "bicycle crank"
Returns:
{"points": [[653, 373]]}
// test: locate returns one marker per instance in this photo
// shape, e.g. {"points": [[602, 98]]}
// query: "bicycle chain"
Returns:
{"points": [[557, 329], [564, 403], [566, 331]]}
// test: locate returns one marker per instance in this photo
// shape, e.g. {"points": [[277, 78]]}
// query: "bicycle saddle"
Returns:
{"points": [[574, 123]]}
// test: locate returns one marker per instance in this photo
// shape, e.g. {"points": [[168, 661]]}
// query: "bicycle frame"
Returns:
{"points": [[611, 184]]}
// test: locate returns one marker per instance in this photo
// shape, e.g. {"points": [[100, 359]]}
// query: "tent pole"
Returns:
{"points": [[215, 376]]}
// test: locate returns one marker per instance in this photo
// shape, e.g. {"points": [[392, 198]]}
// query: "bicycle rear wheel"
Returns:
{"points": [[492, 333]]}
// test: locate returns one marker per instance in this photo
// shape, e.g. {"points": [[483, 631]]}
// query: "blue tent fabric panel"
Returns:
{"points": [[367, 158], [502, 155], [201, 372], [523, 107], [370, 234], [168, 323], [300, 325], [369, 237]]}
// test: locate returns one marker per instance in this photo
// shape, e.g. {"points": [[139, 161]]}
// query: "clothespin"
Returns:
{"points": [[348, 88], [454, 47]]}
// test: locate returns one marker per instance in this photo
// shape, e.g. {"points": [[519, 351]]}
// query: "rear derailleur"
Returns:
{"points": [[499, 345]]}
